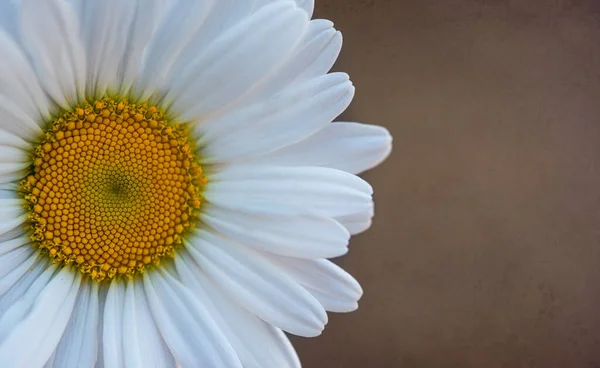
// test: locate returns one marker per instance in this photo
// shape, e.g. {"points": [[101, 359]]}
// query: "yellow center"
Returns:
{"points": [[113, 188]]}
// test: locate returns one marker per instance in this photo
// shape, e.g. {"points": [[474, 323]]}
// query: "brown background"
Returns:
{"points": [[485, 250]]}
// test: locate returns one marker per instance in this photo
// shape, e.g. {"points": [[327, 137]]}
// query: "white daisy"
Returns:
{"points": [[171, 182]]}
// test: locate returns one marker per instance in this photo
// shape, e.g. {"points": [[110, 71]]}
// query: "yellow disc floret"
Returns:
{"points": [[114, 186]]}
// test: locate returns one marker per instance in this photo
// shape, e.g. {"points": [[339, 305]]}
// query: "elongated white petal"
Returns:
{"points": [[318, 52], [350, 147], [11, 244], [14, 277], [106, 27], [31, 281], [8, 18], [287, 233], [358, 222], [231, 65], [50, 362], [21, 305], [14, 120], [146, 21], [143, 344], [12, 214], [186, 325], [38, 321], [282, 120], [50, 33], [10, 206], [4, 193], [14, 155], [173, 34], [11, 259], [333, 287], [12, 140], [11, 172], [307, 5], [8, 193], [258, 344], [264, 190], [223, 15], [79, 346], [19, 84], [102, 294], [257, 285], [9, 190], [314, 56], [112, 332]]}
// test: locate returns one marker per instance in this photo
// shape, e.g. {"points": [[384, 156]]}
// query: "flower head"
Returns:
{"points": [[171, 182]]}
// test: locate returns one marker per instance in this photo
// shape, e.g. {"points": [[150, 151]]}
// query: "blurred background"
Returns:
{"points": [[485, 251]]}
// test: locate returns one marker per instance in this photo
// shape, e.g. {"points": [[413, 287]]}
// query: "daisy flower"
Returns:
{"points": [[171, 182]]}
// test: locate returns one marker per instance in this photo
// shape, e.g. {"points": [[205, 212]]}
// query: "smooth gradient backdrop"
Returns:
{"points": [[485, 250]]}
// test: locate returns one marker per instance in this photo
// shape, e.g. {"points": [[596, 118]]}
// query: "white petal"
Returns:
{"points": [[318, 52], [307, 5], [10, 154], [264, 190], [14, 277], [258, 344], [38, 321], [333, 287], [9, 206], [12, 140], [9, 17], [12, 214], [12, 172], [358, 222], [147, 18], [185, 324], [282, 120], [22, 303], [50, 362], [6, 194], [17, 230], [17, 242], [314, 56], [12, 259], [102, 294], [258, 286], [350, 147], [79, 346], [288, 233], [106, 28], [10, 190], [112, 332], [223, 15], [180, 24], [143, 344], [14, 120], [20, 85], [231, 65], [50, 32]]}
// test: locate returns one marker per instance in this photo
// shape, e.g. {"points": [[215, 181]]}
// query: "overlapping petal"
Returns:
{"points": [[186, 325], [78, 346], [32, 327], [254, 283], [250, 336], [143, 344], [50, 33]]}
